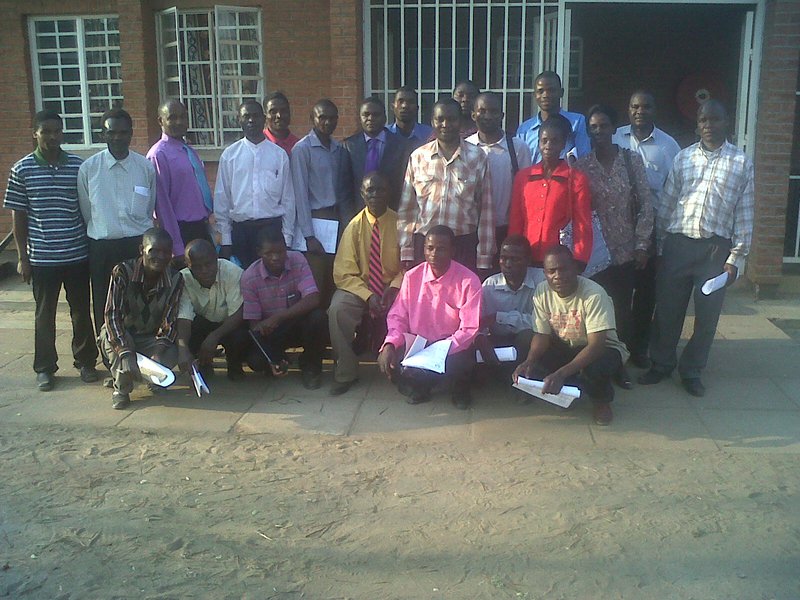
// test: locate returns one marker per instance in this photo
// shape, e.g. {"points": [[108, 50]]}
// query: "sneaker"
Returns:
{"points": [[312, 380], [45, 381], [694, 386], [119, 400], [89, 374], [602, 413]]}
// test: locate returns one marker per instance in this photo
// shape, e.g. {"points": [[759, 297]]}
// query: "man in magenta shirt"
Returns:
{"points": [[439, 299], [279, 117], [183, 196]]}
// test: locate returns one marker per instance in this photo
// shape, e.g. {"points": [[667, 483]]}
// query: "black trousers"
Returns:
{"points": [[594, 380], [194, 230], [458, 367], [243, 238], [47, 283], [306, 331], [465, 250], [237, 343], [642, 308], [617, 281], [104, 255]]}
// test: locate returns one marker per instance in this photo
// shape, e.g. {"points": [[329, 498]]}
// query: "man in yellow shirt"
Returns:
{"points": [[367, 275]]}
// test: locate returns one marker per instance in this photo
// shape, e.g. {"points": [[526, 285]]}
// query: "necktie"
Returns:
{"points": [[200, 176], [375, 276], [373, 156]]}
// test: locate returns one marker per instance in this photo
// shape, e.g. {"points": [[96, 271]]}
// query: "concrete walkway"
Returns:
{"points": [[752, 403]]}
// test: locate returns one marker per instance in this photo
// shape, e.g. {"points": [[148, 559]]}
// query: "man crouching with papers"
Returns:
{"points": [[440, 301], [574, 334]]}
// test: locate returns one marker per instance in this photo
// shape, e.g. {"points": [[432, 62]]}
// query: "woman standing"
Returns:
{"points": [[549, 196], [621, 197]]}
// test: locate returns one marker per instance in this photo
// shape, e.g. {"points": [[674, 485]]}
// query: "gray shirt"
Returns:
{"points": [[513, 309], [117, 197]]}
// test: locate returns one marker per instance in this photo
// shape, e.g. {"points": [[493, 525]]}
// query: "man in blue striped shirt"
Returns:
{"points": [[50, 235]]}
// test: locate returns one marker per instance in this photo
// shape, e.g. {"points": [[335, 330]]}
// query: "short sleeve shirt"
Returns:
{"points": [[216, 303], [572, 319]]}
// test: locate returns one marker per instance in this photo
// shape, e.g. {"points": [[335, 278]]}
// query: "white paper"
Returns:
{"points": [[534, 387], [414, 343], [155, 372], [715, 283], [199, 383], [325, 230], [432, 358], [504, 354]]}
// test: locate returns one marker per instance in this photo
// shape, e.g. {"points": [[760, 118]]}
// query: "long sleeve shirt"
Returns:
{"points": [[502, 175], [254, 181], [132, 309], [447, 307], [351, 265], [178, 195], [627, 225], [455, 192], [117, 197], [512, 309], [541, 208], [321, 179], [708, 194], [577, 145]]}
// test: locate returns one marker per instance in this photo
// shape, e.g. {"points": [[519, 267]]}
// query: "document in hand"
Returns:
{"points": [[325, 230], [155, 372], [534, 387], [504, 354], [715, 283], [198, 382], [432, 358]]}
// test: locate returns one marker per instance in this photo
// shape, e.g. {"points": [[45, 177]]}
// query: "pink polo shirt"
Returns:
{"points": [[445, 308]]}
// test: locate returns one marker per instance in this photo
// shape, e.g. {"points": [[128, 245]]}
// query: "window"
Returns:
{"points": [[212, 61], [77, 72]]}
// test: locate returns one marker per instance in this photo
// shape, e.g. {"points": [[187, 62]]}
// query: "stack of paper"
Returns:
{"points": [[534, 387], [325, 230], [198, 382], [504, 354], [432, 358]]}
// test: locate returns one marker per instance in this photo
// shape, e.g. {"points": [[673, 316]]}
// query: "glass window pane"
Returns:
{"points": [[45, 26]]}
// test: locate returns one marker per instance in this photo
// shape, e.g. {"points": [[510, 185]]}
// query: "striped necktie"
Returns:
{"points": [[375, 276]]}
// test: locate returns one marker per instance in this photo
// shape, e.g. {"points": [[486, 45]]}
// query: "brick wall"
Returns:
{"points": [[776, 114]]}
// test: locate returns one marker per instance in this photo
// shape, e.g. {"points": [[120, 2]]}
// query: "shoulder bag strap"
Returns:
{"points": [[512, 152]]}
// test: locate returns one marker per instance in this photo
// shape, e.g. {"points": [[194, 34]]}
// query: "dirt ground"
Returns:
{"points": [[114, 513]]}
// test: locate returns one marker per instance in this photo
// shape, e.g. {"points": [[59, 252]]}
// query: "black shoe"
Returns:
{"points": [[45, 381], [312, 380], [340, 387], [462, 398], [651, 377], [235, 372], [419, 395], [694, 386], [623, 379], [119, 400], [89, 374], [640, 360]]}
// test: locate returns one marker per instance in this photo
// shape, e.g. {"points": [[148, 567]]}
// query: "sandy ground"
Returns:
{"points": [[114, 513]]}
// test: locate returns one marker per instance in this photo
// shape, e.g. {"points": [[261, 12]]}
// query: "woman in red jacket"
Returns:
{"points": [[548, 196]]}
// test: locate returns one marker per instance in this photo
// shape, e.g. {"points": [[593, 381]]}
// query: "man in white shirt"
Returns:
{"points": [[658, 150], [254, 189], [117, 196], [506, 155]]}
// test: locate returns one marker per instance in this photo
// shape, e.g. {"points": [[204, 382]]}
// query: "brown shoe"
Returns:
{"points": [[602, 413]]}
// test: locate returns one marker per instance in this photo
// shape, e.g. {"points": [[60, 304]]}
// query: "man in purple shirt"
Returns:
{"points": [[183, 196], [439, 300], [281, 303]]}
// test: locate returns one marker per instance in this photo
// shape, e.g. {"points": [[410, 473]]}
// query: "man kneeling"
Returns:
{"points": [[141, 313], [438, 300], [210, 312], [281, 303], [574, 334]]}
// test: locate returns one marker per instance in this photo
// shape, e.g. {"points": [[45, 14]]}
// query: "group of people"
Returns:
{"points": [[561, 242]]}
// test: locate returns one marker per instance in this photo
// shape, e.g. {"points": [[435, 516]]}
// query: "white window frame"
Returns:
{"points": [[83, 80], [223, 105]]}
